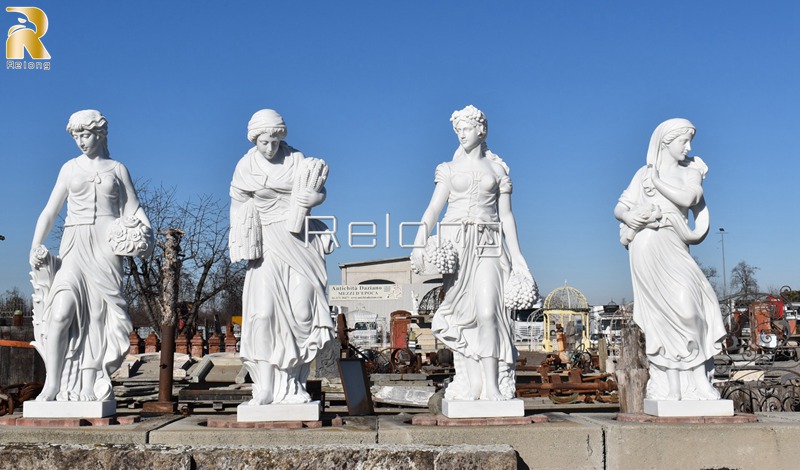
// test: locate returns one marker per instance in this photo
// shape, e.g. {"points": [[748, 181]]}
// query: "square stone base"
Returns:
{"points": [[483, 408], [278, 412], [663, 408], [69, 409]]}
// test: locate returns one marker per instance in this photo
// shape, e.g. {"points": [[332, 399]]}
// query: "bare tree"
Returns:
{"points": [[743, 279], [13, 300], [207, 274]]}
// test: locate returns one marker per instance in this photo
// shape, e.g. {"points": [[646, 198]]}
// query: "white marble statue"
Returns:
{"points": [[473, 320], [674, 304], [285, 314], [81, 323]]}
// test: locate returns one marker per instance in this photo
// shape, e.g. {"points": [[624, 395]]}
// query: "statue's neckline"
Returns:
{"points": [[81, 165]]}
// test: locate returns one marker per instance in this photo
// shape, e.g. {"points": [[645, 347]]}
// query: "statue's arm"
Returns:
{"points": [[687, 196], [431, 214], [50, 213], [633, 219], [510, 232], [429, 218], [132, 207], [238, 197]]}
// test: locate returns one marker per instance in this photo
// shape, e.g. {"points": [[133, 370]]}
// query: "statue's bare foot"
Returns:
{"points": [[706, 391], [87, 396], [300, 397], [494, 395], [48, 394], [261, 398]]}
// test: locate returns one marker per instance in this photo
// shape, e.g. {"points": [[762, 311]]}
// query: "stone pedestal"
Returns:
{"points": [[213, 344], [134, 343], [278, 412], [196, 346], [683, 408], [483, 408], [182, 345], [230, 342], [69, 409], [151, 343]]}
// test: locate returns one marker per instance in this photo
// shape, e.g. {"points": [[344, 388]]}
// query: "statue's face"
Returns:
{"points": [[267, 146], [88, 142], [680, 147], [468, 135]]}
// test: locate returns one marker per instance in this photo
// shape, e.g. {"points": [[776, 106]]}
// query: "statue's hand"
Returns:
{"points": [[38, 256], [635, 219], [418, 259], [520, 266], [309, 198]]}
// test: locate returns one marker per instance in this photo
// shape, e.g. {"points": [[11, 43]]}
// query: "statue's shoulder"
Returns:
{"points": [[292, 151], [500, 168], [246, 159], [68, 167], [70, 163], [696, 164], [442, 173], [640, 173], [498, 165]]}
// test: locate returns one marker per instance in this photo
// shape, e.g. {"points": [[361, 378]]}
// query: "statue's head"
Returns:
{"points": [[89, 128], [664, 139], [266, 130], [676, 133], [467, 120], [88, 120], [472, 116]]}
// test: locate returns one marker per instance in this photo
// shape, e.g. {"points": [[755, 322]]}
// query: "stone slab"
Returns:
{"points": [[69, 409], [345, 457], [672, 408], [194, 430], [402, 395], [278, 412], [230, 421], [18, 420], [766, 444], [483, 408], [555, 445], [428, 419], [643, 418], [128, 431]]}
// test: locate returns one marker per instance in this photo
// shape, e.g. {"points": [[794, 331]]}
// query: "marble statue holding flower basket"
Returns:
{"points": [[81, 323]]}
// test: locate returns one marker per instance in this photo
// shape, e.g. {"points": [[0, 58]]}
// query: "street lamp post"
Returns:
{"points": [[722, 233]]}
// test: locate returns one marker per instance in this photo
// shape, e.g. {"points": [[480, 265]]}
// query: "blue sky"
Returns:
{"points": [[572, 91]]}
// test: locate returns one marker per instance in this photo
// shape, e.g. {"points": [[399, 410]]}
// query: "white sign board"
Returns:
{"points": [[368, 292]]}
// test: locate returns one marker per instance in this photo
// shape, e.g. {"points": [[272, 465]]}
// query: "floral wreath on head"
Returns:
{"points": [[472, 114]]}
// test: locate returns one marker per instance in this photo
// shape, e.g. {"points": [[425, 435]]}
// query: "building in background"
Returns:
{"points": [[383, 300]]}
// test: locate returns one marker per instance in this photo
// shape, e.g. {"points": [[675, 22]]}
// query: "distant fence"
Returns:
{"points": [[19, 364]]}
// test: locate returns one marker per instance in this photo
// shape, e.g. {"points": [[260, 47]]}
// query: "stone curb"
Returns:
{"points": [[153, 457]]}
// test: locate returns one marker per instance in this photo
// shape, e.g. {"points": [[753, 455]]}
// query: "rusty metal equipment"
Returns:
{"points": [[13, 396], [570, 386], [397, 361]]}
